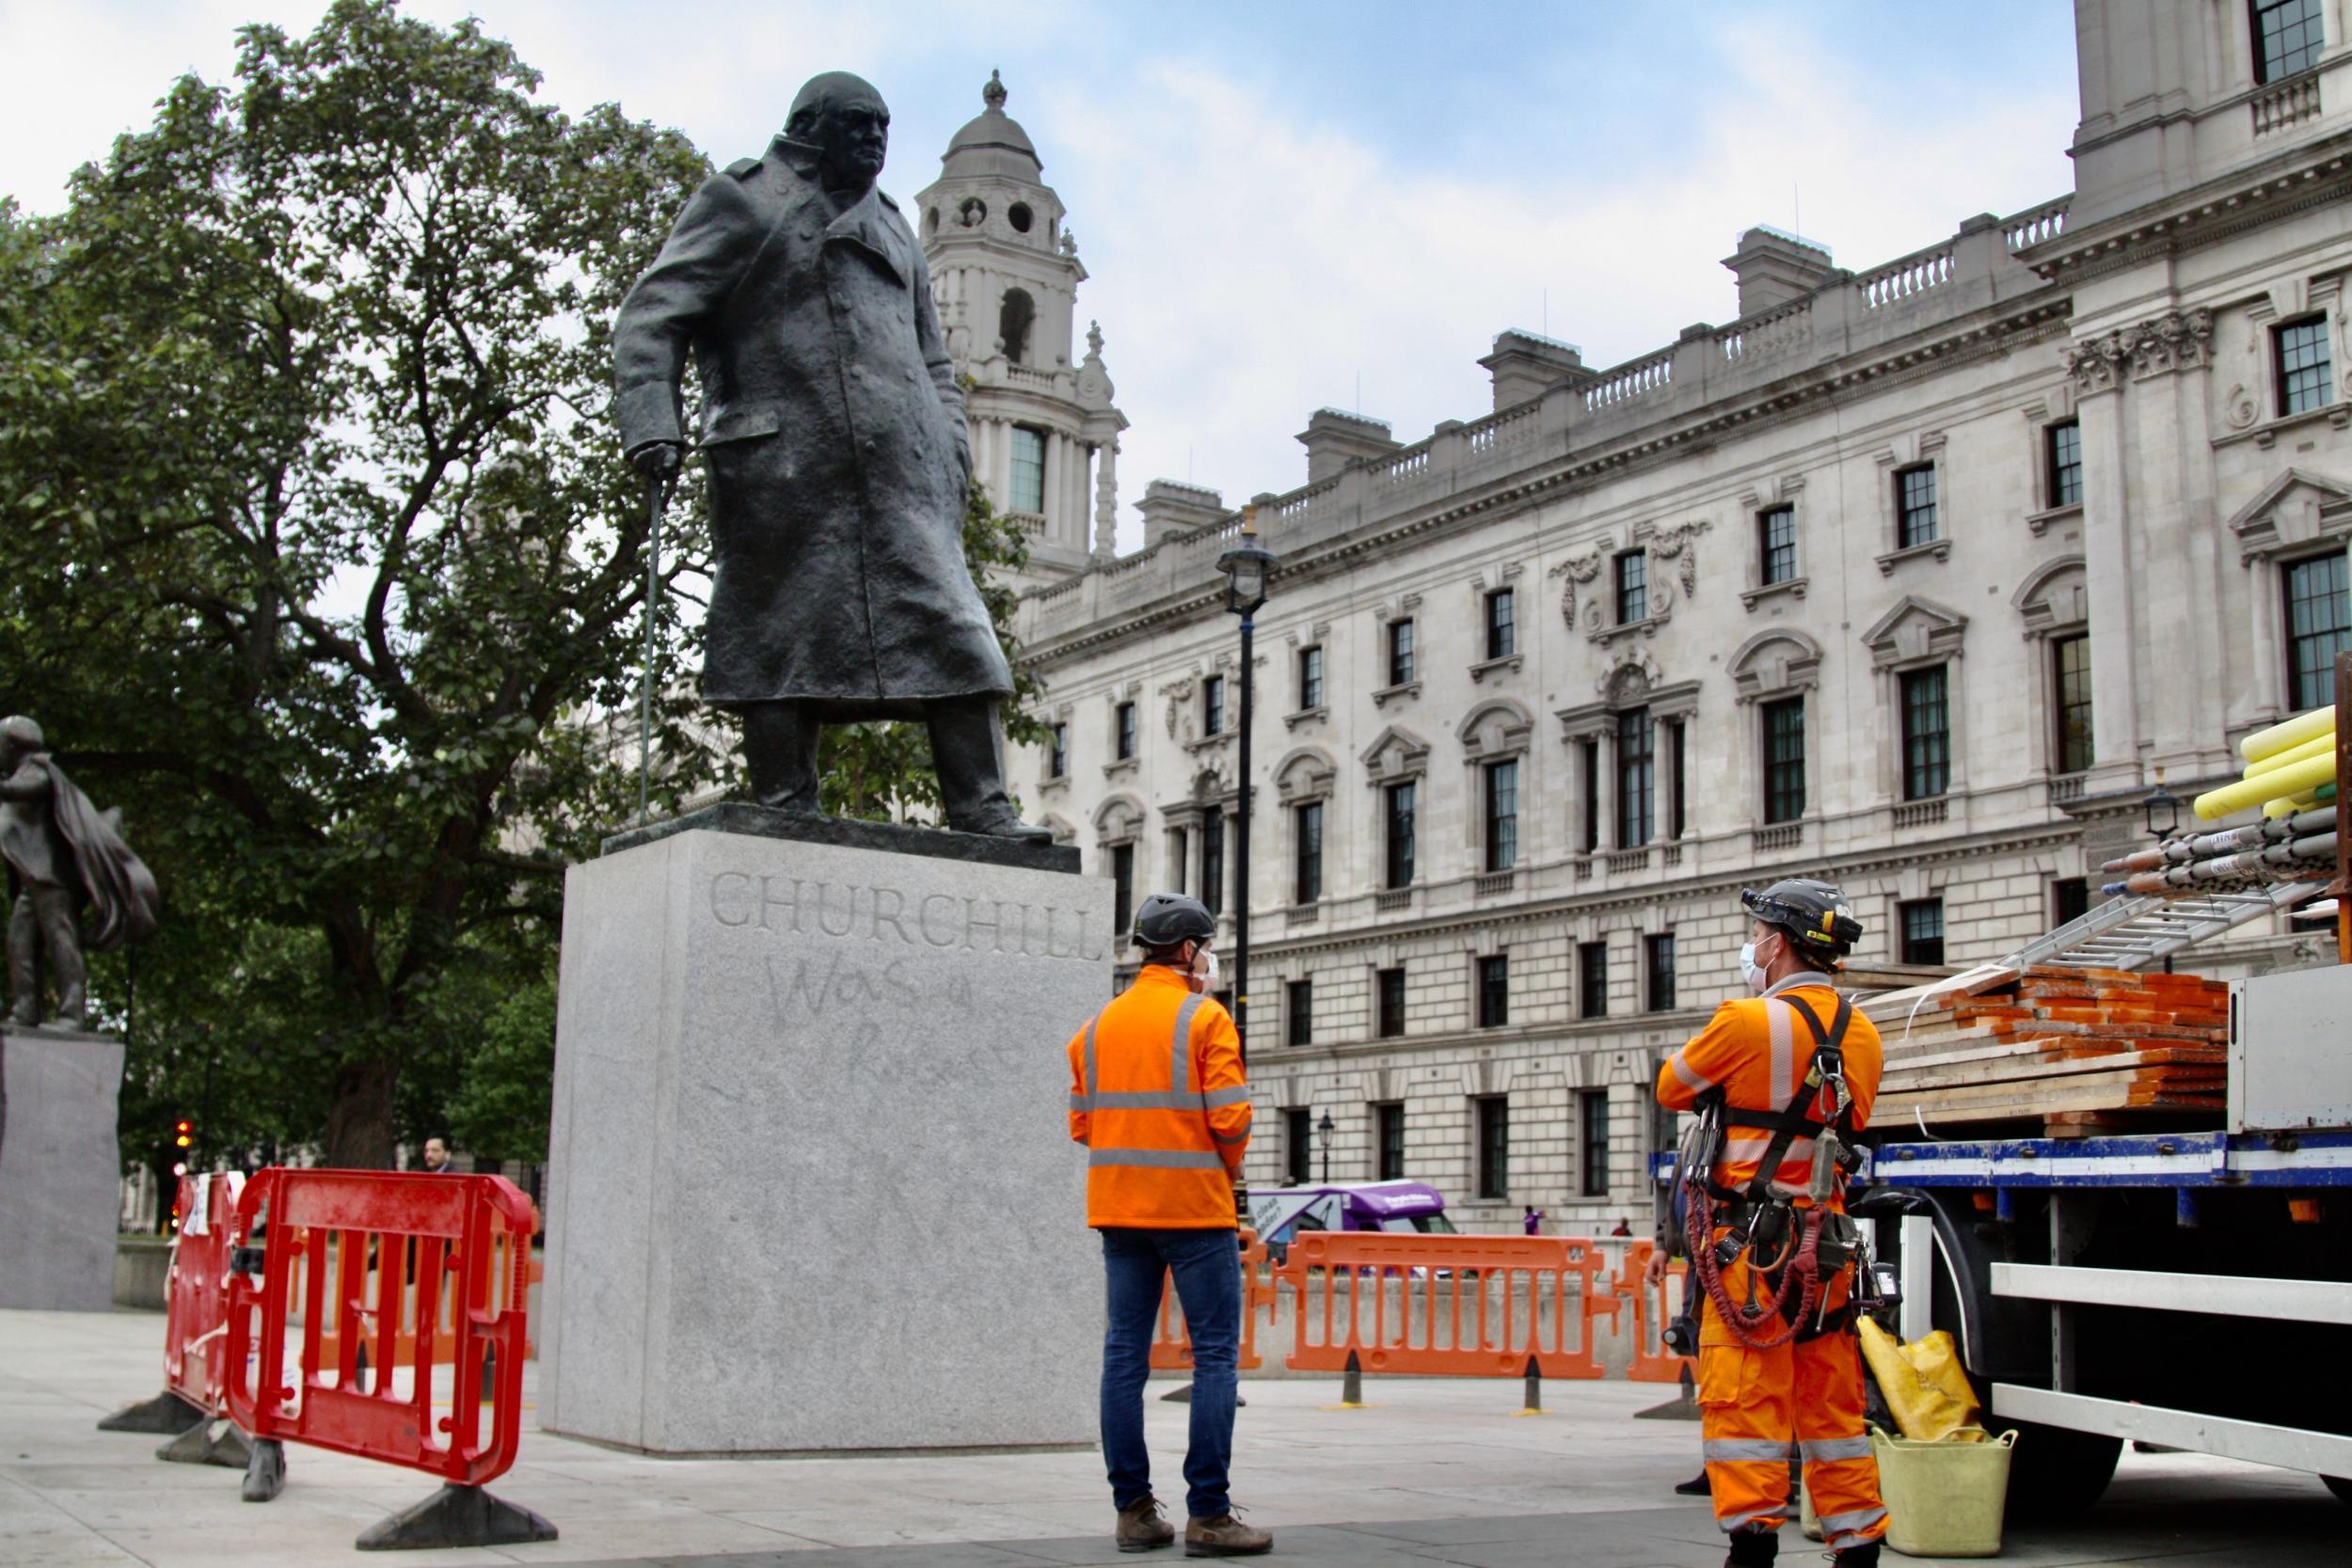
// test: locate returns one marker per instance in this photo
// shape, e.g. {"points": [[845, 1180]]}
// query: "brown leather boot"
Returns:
{"points": [[1225, 1536], [1143, 1527]]}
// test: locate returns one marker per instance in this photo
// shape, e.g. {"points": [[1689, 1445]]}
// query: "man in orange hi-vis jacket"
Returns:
{"points": [[1158, 1098], [1776, 1380]]}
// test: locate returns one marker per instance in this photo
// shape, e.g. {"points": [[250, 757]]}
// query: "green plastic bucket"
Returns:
{"points": [[1943, 1499]]}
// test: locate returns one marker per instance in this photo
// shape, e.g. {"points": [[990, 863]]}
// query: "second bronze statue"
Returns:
{"points": [[838, 459]]}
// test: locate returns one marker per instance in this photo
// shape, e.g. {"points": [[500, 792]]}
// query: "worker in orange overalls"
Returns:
{"points": [[1158, 1096], [1780, 1079]]}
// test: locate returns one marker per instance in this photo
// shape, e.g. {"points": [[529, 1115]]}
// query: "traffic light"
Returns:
{"points": [[183, 1134]]}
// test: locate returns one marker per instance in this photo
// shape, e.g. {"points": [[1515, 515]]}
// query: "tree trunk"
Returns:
{"points": [[359, 1119]]}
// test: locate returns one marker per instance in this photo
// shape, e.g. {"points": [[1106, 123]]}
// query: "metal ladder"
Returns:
{"points": [[2132, 932]]}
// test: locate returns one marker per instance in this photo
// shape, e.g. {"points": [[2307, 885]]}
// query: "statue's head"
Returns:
{"points": [[847, 122], [19, 738]]}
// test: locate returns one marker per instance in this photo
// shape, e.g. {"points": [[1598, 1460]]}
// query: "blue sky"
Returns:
{"points": [[1276, 199]]}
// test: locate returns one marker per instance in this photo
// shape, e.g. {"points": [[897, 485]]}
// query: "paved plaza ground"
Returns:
{"points": [[1435, 1473]]}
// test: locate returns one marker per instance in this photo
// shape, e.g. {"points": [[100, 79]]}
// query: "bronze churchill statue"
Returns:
{"points": [[62, 851], [838, 461]]}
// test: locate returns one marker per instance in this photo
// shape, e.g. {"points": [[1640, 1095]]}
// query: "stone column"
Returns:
{"points": [[2108, 566], [1107, 501], [1605, 789]]}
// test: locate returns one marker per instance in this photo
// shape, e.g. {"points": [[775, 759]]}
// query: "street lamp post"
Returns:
{"points": [[1247, 567], [1324, 1129], [2163, 810]]}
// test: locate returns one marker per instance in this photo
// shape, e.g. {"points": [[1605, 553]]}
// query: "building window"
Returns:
{"points": [[2287, 38], [1123, 885], [1180, 860], [1494, 991], [2070, 670], [2070, 900], [1927, 734], [1633, 587], [1029, 469], [1593, 1142], [1309, 878], [1392, 988], [1013, 320], [1502, 630], [1591, 979], [1057, 756], [1310, 677], [1123, 730], [1591, 766], [1776, 543], [1400, 653], [1400, 827], [1923, 930], [2319, 627], [1298, 1144], [2065, 453], [1784, 759], [1298, 1010], [1503, 815], [1659, 948], [1637, 771], [1213, 705], [1392, 1134], [2303, 366], [1494, 1146], [1914, 506], [1674, 792], [1213, 862]]}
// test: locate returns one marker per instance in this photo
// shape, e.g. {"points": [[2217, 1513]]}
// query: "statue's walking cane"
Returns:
{"points": [[655, 486]]}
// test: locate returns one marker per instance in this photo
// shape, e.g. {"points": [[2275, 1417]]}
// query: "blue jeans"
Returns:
{"points": [[1207, 1266]]}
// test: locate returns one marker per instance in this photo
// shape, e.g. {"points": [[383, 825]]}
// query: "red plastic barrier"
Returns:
{"points": [[1463, 1306], [325, 1228], [1171, 1344], [1654, 1307], [196, 1291]]}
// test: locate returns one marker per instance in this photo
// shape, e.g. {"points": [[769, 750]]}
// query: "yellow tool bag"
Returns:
{"points": [[1923, 1385]]}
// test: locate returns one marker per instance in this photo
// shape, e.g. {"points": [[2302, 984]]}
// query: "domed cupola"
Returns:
{"points": [[1006, 273]]}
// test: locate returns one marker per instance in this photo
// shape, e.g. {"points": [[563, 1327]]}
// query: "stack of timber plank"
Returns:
{"points": [[2078, 1049]]}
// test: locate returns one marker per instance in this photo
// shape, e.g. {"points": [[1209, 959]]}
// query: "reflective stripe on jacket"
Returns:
{"points": [[1158, 1098], [1755, 1049]]}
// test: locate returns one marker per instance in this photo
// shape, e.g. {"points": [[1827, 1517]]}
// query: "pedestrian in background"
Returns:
{"points": [[437, 1157], [1624, 1227], [1532, 1221], [1158, 1096]]}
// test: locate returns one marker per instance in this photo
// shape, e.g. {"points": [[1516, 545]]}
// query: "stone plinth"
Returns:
{"points": [[812, 1188], [60, 1170]]}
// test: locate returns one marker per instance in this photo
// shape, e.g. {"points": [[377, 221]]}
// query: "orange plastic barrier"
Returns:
{"points": [[1171, 1343], [1449, 1305], [324, 1229], [506, 1251], [1654, 1307], [196, 1291]]}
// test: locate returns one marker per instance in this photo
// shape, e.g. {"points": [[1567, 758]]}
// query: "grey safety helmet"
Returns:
{"points": [[1168, 918], [1813, 914]]}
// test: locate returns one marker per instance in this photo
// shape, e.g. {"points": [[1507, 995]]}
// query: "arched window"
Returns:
{"points": [[1013, 323]]}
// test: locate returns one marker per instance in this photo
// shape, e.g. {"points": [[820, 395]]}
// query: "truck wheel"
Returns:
{"points": [[2056, 1473], [2341, 1486]]}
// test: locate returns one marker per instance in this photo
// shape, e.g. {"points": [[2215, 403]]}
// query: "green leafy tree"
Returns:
{"points": [[316, 554]]}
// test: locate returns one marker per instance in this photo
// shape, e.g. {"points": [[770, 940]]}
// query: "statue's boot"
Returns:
{"points": [[968, 750], [54, 908], [780, 751], [73, 1007]]}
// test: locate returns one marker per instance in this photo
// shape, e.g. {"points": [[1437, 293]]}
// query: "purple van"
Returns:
{"points": [[1280, 1214]]}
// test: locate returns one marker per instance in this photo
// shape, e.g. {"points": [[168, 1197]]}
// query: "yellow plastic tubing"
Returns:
{"points": [[2316, 746], [2293, 732], [2294, 779]]}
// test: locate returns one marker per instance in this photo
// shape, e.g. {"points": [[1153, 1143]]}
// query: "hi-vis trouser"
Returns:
{"points": [[1803, 1398]]}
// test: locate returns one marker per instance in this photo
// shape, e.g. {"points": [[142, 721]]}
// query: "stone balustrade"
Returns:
{"points": [[1852, 316]]}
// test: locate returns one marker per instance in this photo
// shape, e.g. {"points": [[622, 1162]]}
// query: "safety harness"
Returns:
{"points": [[1787, 1247]]}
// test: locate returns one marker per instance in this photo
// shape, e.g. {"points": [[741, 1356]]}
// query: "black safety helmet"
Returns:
{"points": [[1168, 918], [1813, 914]]}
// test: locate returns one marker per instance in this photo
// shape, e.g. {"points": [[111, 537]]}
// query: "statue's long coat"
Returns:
{"points": [[834, 436]]}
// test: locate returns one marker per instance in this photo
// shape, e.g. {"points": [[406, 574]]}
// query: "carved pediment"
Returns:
{"points": [[2054, 596], [1497, 728], [1118, 820], [1914, 631], [1306, 774], [1396, 753], [2297, 509], [1774, 663]]}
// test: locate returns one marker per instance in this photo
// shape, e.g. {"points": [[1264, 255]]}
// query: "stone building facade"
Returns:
{"points": [[1914, 577]]}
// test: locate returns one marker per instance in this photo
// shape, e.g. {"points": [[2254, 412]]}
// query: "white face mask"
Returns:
{"points": [[1752, 971], [1204, 977]]}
